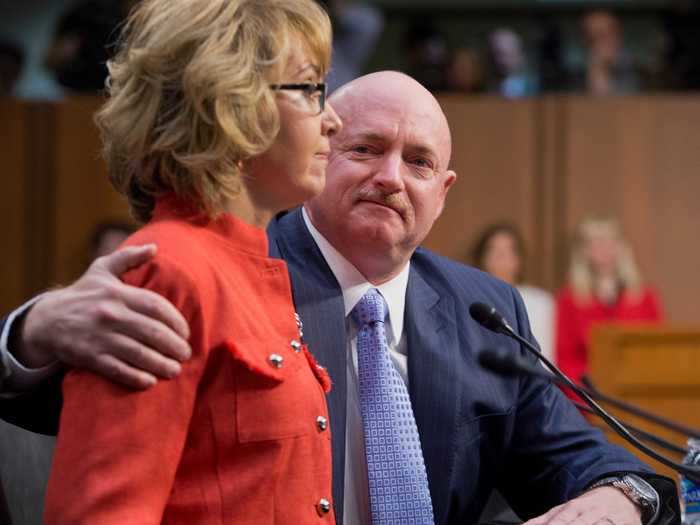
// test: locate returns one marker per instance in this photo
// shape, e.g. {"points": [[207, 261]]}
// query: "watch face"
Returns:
{"points": [[642, 487]]}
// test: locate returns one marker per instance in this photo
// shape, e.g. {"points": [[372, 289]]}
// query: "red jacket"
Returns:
{"points": [[575, 319], [236, 438]]}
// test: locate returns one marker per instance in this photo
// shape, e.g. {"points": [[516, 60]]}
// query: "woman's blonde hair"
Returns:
{"points": [[581, 274], [189, 97]]}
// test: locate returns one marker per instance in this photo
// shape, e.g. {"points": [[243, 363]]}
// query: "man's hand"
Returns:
{"points": [[604, 506], [127, 334]]}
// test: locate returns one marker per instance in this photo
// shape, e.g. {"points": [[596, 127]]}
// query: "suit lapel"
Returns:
{"points": [[433, 352], [319, 301]]}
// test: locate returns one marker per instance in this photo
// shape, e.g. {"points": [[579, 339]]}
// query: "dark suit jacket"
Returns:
{"points": [[478, 431]]}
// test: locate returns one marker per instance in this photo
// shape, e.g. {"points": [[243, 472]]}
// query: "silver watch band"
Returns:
{"points": [[639, 491]]}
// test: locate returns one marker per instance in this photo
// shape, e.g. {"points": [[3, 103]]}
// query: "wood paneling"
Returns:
{"points": [[494, 154], [83, 196], [674, 192], [13, 135]]}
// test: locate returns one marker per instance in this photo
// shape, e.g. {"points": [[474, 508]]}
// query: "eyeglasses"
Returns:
{"points": [[314, 93]]}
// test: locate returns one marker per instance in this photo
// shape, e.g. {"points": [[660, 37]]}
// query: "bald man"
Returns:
{"points": [[387, 179]]}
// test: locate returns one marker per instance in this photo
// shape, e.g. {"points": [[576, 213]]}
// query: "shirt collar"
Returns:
{"points": [[354, 285]]}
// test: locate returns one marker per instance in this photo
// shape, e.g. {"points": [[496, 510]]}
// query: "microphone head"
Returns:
{"points": [[500, 361], [488, 317]]}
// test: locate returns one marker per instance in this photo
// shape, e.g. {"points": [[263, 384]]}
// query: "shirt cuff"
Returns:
{"points": [[17, 377]]}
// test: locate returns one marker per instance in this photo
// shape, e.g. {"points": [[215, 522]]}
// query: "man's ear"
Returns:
{"points": [[450, 178]]}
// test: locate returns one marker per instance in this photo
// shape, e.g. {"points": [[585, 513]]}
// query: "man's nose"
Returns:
{"points": [[389, 175]]}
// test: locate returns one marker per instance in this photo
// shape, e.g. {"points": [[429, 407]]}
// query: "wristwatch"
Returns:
{"points": [[640, 492]]}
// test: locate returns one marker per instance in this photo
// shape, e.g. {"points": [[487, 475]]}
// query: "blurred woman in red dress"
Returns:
{"points": [[604, 286]]}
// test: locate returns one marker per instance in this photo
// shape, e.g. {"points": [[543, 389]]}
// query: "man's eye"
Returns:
{"points": [[422, 163], [361, 149]]}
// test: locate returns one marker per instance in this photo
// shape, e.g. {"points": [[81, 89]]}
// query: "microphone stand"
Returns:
{"points": [[489, 318], [636, 411], [641, 434]]}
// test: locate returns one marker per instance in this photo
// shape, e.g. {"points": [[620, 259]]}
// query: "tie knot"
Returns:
{"points": [[370, 309]]}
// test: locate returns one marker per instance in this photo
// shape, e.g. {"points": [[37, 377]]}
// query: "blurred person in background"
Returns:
{"points": [[500, 251], [510, 73], [427, 54], [681, 23], [609, 68], [356, 29], [604, 286], [465, 73], [11, 62], [550, 58], [78, 53], [216, 121]]}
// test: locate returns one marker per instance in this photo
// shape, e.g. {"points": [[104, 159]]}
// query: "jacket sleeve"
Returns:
{"points": [[38, 407], [118, 450]]}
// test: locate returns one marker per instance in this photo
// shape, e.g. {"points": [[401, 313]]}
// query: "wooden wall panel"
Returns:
{"points": [[494, 154], [13, 135], [549, 255], [675, 191], [609, 167], [83, 196]]}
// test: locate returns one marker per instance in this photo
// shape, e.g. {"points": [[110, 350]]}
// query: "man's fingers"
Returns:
{"points": [[127, 258], [153, 334], [154, 306], [144, 358], [122, 373], [568, 515]]}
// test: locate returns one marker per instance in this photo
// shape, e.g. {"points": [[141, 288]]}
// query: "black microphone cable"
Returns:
{"points": [[488, 317], [589, 387]]}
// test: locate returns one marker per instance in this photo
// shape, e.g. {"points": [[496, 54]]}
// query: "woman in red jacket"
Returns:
{"points": [[216, 121], [604, 287]]}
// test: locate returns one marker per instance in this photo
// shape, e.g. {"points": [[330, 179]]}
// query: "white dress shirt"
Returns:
{"points": [[356, 509]]}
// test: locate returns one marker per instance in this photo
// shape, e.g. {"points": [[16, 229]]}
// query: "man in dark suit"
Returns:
{"points": [[387, 179]]}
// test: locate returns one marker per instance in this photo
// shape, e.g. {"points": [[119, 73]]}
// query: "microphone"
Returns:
{"points": [[505, 363], [488, 317]]}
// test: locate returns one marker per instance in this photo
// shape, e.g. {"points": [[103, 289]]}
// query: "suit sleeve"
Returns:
{"points": [[118, 450], [37, 406], [554, 453]]}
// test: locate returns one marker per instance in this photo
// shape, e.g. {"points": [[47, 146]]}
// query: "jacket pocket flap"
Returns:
{"points": [[272, 366]]}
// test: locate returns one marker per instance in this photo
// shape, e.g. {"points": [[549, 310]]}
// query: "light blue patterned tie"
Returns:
{"points": [[398, 484]]}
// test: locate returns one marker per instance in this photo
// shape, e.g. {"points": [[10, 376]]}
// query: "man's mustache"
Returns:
{"points": [[395, 201]]}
